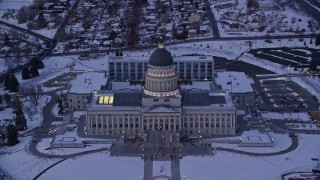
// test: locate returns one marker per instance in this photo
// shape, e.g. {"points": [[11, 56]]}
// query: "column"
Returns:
{"points": [[225, 122], [107, 120], [96, 121], [210, 119], [215, 122], [112, 119], [169, 123], [220, 122], [174, 125], [153, 123], [164, 123], [188, 116]]}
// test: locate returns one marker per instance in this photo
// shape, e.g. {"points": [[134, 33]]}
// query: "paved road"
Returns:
{"points": [[213, 22], [247, 38], [310, 9]]}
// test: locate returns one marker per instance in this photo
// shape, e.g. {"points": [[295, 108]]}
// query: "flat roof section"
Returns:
{"points": [[86, 83], [235, 82], [127, 99]]}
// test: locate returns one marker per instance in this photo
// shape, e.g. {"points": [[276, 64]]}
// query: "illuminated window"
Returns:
{"points": [[105, 100], [111, 100], [101, 100]]}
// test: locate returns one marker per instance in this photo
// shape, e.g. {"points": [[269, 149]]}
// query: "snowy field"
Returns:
{"points": [[303, 126], [281, 142], [229, 166], [19, 163], [28, 110], [284, 116], [44, 147], [97, 166], [16, 5], [222, 165], [271, 18]]}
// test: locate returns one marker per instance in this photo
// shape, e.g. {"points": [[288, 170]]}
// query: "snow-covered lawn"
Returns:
{"points": [[303, 126], [284, 116], [37, 117], [44, 147], [100, 64], [229, 166], [271, 18], [281, 142], [97, 166], [19, 163], [53, 67]]}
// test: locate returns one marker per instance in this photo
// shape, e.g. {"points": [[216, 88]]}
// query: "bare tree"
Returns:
{"points": [[34, 93]]}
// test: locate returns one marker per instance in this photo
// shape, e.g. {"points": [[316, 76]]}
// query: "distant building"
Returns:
{"points": [[239, 85], [161, 105], [81, 88], [133, 68]]}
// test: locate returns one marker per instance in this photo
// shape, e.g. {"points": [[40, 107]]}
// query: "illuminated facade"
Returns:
{"points": [[161, 106]]}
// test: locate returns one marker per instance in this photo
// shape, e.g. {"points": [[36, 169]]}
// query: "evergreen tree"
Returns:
{"points": [[36, 62], [313, 66], [12, 135], [117, 52], [41, 20], [12, 84], [21, 122], [6, 40], [7, 99], [34, 71], [112, 35], [318, 40], [1, 100], [6, 81], [16, 103], [120, 53], [25, 73]]}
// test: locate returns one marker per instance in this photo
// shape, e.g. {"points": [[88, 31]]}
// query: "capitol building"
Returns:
{"points": [[160, 105]]}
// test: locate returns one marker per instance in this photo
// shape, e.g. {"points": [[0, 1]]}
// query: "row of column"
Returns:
{"points": [[155, 122], [161, 84], [115, 119], [212, 118]]}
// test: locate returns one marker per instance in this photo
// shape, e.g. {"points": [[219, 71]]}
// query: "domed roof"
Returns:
{"points": [[161, 57]]}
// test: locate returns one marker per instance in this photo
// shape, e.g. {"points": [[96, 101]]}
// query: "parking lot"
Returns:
{"points": [[298, 58], [278, 95], [286, 96]]}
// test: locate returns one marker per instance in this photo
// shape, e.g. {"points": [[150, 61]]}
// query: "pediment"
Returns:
{"points": [[162, 109]]}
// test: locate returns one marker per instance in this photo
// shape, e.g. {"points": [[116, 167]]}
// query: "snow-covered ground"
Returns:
{"points": [[19, 163], [283, 116], [228, 166], [97, 166], [281, 142], [303, 126], [271, 18], [44, 147], [221, 165], [29, 110]]}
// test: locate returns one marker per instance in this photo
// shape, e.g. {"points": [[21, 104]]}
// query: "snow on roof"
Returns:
{"points": [[205, 85], [87, 82], [125, 85], [146, 58], [236, 82]]}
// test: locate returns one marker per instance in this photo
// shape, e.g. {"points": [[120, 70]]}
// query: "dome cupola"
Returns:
{"points": [[161, 57]]}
